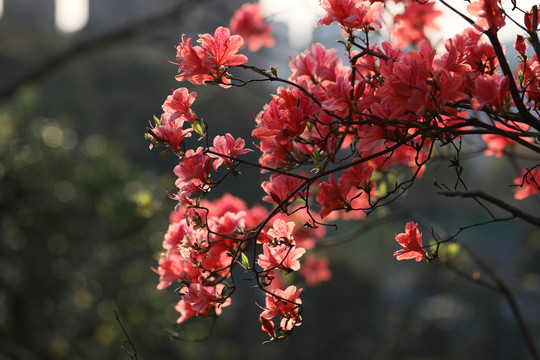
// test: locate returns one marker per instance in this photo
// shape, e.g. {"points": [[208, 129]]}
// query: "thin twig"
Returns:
{"points": [[498, 202], [510, 298], [132, 354]]}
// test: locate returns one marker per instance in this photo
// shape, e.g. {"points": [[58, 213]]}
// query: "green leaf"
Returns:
{"points": [[164, 153], [315, 157], [244, 261], [199, 127]]}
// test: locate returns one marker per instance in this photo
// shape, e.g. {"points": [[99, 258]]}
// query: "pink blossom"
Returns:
{"points": [[468, 55], [178, 105], [285, 304], [200, 300], [357, 176], [304, 236], [521, 45], [315, 270], [282, 231], [177, 110], [227, 145], [248, 22], [350, 191], [185, 310], [193, 171], [410, 27], [332, 197], [226, 225], [175, 234], [352, 14], [411, 240], [490, 90], [497, 143], [170, 269], [171, 134], [316, 66], [210, 60], [280, 187], [528, 19], [407, 81], [528, 182], [283, 256], [489, 15], [286, 115]]}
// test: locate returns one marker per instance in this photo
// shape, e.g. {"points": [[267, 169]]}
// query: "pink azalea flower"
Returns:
{"points": [[410, 26], [283, 256], [351, 191], [201, 300], [332, 197], [352, 14], [528, 20], [315, 67], [315, 270], [529, 183], [185, 310], [285, 116], [210, 60], [227, 225], [248, 22], [282, 231], [171, 134], [407, 81], [280, 187], [227, 145], [194, 169], [521, 45], [357, 176], [285, 304], [175, 234], [411, 240], [170, 269], [489, 15], [497, 143], [178, 105], [176, 111], [490, 90]]}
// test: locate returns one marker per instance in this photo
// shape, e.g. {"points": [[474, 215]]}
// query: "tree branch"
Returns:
{"points": [[124, 33], [498, 202]]}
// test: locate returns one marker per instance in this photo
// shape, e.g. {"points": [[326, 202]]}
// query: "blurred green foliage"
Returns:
{"points": [[76, 230]]}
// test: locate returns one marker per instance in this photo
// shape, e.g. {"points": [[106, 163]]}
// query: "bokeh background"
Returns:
{"points": [[83, 208]]}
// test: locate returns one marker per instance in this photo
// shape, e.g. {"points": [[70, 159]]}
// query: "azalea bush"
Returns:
{"points": [[345, 134]]}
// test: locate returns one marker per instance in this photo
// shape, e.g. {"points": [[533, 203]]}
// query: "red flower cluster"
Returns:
{"points": [[336, 138], [248, 22], [210, 61]]}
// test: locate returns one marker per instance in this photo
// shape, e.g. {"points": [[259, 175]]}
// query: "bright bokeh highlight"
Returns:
{"points": [[70, 15]]}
